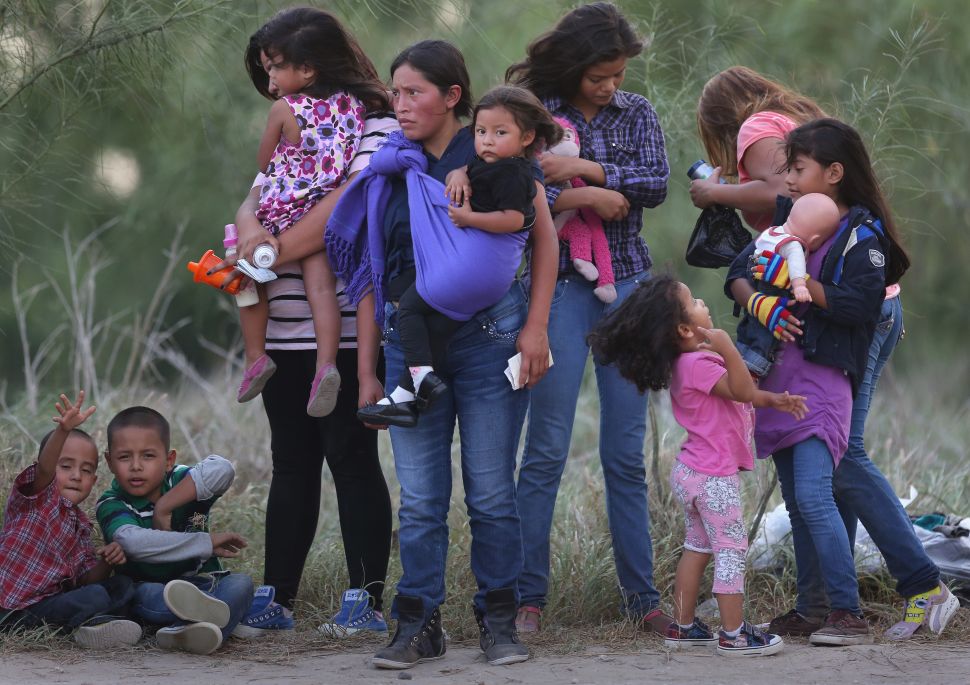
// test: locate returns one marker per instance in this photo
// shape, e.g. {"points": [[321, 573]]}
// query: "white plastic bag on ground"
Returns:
{"points": [[766, 549]]}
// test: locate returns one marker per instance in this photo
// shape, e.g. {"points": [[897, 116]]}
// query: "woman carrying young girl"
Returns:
{"points": [[577, 69], [462, 273], [744, 119], [849, 274], [431, 93], [663, 337], [314, 131], [301, 443]]}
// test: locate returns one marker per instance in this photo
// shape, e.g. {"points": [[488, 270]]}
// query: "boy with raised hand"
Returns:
{"points": [[50, 571], [158, 513]]}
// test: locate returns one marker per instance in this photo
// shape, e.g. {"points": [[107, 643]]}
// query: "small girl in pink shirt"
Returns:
{"points": [[661, 336]]}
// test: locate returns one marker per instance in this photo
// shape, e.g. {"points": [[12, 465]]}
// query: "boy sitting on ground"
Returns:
{"points": [[158, 513], [51, 572]]}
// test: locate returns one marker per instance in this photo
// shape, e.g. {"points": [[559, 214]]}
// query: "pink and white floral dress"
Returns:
{"points": [[300, 175]]}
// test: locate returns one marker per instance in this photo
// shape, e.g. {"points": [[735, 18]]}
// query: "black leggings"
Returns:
{"points": [[425, 333], [300, 444]]}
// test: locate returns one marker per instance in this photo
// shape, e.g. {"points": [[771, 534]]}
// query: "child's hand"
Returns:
{"points": [[460, 216], [800, 290], [717, 340], [112, 554], [71, 414], [458, 189], [793, 404], [227, 545]]}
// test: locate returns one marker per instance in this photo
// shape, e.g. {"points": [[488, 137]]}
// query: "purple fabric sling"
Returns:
{"points": [[460, 271]]}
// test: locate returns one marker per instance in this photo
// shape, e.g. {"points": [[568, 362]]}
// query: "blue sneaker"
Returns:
{"points": [[355, 616], [698, 635], [264, 615]]}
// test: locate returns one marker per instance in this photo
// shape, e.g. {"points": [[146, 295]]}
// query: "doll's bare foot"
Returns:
{"points": [[586, 269], [606, 293]]}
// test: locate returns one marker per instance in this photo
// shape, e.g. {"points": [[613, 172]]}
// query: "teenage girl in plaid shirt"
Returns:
{"points": [[577, 70]]}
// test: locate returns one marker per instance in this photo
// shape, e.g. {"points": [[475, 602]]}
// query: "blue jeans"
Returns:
{"points": [[756, 345], [85, 605], [818, 533], [235, 589], [575, 312], [862, 491], [489, 416]]}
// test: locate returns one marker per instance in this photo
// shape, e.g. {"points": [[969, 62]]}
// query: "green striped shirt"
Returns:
{"points": [[117, 508]]}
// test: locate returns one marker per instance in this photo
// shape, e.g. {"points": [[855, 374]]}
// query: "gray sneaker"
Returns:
{"points": [[108, 635], [189, 603], [195, 638], [842, 628]]}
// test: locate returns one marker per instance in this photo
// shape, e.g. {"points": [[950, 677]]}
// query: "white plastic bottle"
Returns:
{"points": [[248, 295]]}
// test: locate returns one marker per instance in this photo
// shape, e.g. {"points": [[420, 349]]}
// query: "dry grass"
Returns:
{"points": [[583, 606], [917, 433]]}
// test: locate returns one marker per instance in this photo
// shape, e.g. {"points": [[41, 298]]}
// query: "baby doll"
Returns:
{"points": [[813, 220], [583, 229]]}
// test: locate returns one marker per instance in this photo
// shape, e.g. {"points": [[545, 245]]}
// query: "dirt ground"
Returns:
{"points": [[929, 662]]}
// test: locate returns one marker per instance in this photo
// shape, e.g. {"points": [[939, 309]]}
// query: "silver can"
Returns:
{"points": [[264, 256]]}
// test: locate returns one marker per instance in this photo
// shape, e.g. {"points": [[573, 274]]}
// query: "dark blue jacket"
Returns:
{"points": [[854, 277]]}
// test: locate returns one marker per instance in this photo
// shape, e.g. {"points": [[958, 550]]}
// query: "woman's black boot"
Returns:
{"points": [[498, 638], [415, 639]]}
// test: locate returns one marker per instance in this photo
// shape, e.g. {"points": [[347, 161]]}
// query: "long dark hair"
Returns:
{"points": [[443, 65], [528, 112], [315, 38], [828, 141], [590, 34], [640, 336]]}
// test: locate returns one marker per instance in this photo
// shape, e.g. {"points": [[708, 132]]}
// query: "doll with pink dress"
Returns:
{"points": [[582, 228]]}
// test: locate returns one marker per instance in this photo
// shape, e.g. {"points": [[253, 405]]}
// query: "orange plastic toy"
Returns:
{"points": [[200, 272]]}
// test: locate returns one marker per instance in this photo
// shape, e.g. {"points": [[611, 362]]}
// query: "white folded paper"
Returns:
{"points": [[515, 365], [258, 274]]}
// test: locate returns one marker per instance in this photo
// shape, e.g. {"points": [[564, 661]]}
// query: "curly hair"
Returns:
{"points": [[640, 336], [556, 61], [528, 112]]}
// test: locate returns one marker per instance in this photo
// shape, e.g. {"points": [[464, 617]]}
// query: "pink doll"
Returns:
{"points": [[812, 221], [583, 229]]}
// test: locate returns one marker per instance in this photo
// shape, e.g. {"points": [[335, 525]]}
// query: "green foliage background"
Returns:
{"points": [[164, 82]]}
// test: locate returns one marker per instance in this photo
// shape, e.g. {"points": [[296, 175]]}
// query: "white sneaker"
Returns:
{"points": [[195, 638], [932, 609], [189, 603], [117, 633], [941, 609]]}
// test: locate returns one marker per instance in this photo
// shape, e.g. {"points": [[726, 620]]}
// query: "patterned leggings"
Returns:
{"points": [[714, 522]]}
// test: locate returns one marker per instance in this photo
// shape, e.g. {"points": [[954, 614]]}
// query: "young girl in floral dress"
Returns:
{"points": [[302, 60]]}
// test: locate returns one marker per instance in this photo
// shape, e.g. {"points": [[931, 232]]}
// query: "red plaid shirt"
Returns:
{"points": [[45, 545]]}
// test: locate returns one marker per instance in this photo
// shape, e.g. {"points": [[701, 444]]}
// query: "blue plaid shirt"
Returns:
{"points": [[625, 139]]}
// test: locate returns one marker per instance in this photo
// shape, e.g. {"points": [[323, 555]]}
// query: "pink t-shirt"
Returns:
{"points": [[719, 431], [757, 127]]}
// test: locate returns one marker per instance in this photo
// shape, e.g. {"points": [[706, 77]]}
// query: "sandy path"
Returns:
{"points": [[926, 662]]}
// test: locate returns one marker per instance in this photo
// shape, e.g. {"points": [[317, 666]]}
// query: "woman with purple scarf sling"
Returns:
{"points": [[386, 235]]}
